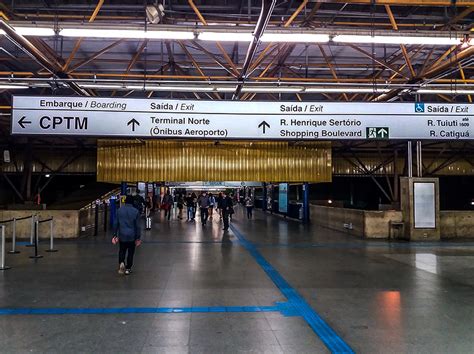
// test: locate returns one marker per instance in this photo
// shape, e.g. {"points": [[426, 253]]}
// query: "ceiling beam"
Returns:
{"points": [[221, 48], [442, 3], [79, 40]]}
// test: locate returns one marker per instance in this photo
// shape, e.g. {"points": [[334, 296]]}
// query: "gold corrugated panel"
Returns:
{"points": [[168, 160], [436, 166]]}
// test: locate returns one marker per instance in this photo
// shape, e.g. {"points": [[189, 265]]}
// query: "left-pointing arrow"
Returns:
{"points": [[133, 123], [22, 122]]}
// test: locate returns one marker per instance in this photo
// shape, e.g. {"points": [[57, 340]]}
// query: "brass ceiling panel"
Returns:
{"points": [[170, 160]]}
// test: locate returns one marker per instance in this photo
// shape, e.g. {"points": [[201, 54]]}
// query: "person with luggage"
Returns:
{"points": [[126, 233]]}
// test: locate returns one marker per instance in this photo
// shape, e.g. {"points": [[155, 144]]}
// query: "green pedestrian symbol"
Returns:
{"points": [[378, 133]]}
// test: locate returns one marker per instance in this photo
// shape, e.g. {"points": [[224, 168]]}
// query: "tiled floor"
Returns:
{"points": [[378, 297]]}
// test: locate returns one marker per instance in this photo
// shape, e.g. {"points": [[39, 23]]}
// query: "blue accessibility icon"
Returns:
{"points": [[419, 107]]}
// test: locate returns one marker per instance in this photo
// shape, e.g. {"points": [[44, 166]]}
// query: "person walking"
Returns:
{"points": [[227, 210], [249, 206], [194, 196], [127, 233], [220, 200], [180, 204], [212, 205], [138, 202], [167, 204], [190, 207], [204, 204]]}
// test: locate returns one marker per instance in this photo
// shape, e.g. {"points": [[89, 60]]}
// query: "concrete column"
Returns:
{"points": [[123, 188], [306, 203], [264, 205], [410, 159], [113, 210], [419, 160]]}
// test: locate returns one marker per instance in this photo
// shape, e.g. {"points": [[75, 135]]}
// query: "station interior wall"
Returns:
{"points": [[370, 224]]}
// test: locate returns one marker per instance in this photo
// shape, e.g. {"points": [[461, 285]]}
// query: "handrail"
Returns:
{"points": [[24, 218], [45, 220], [6, 221]]}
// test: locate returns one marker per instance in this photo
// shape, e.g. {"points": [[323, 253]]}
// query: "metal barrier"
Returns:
{"points": [[2, 255], [13, 250], [36, 239], [13, 234], [51, 235], [32, 233]]}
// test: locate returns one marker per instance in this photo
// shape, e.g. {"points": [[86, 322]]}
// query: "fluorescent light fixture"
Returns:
{"points": [[13, 87], [270, 89], [345, 90], [35, 31], [226, 36], [173, 88], [295, 37], [133, 34], [103, 86], [349, 38], [446, 91]]}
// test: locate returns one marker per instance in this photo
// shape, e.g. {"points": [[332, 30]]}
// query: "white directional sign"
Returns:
{"points": [[109, 117]]}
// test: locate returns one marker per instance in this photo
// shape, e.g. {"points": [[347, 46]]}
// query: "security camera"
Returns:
{"points": [[155, 13]]}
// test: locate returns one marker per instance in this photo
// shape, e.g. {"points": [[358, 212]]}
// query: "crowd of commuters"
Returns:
{"points": [[126, 230]]}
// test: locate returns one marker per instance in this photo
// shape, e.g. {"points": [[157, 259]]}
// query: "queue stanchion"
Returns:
{"points": [[51, 237], [2, 255], [36, 240], [32, 232], [13, 250]]}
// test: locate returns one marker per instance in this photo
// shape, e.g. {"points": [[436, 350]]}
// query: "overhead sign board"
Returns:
{"points": [[118, 117]]}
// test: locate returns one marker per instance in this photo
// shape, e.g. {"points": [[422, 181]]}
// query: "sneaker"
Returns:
{"points": [[121, 268], [128, 271]]}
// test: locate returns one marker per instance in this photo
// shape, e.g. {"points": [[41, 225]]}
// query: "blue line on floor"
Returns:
{"points": [[89, 311], [108, 242], [365, 245], [329, 337]]}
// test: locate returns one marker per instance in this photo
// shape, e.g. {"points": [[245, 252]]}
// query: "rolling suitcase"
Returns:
{"points": [[148, 223]]}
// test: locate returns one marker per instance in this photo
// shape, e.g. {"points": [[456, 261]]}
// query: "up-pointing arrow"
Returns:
{"points": [[264, 125], [383, 132], [22, 122], [133, 122]]}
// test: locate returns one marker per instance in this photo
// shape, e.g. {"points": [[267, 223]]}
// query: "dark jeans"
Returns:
{"points": [[225, 217], [124, 246], [190, 213], [168, 213], [204, 215], [249, 212]]}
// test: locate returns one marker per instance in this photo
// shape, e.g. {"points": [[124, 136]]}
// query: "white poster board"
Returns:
{"points": [[424, 205]]}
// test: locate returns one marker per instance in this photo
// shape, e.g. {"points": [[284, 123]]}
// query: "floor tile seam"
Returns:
{"points": [[137, 310], [329, 338]]}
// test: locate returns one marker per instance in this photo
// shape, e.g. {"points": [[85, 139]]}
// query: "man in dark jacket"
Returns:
{"points": [[204, 204], [127, 230], [227, 210]]}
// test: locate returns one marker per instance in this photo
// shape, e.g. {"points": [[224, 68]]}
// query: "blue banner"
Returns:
{"points": [[283, 198]]}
